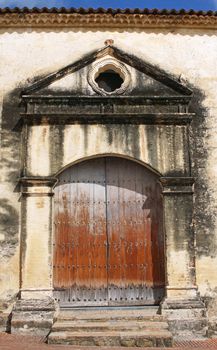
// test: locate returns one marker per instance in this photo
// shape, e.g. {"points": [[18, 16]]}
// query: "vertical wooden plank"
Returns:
{"points": [[74, 217], [116, 281], [61, 233]]}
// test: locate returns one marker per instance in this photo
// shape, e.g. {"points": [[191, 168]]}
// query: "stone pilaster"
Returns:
{"points": [[182, 305], [180, 252], [33, 313], [36, 238]]}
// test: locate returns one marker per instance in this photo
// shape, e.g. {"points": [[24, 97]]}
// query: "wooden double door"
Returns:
{"points": [[109, 238]]}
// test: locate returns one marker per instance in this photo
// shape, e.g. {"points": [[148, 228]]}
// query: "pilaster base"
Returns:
{"points": [[40, 294], [176, 293], [186, 317], [33, 316]]}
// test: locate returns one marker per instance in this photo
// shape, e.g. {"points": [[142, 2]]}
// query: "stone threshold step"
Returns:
{"points": [[141, 308], [146, 338], [109, 325], [105, 318], [109, 314]]}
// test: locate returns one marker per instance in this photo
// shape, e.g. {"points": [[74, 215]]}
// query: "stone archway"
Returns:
{"points": [[108, 235]]}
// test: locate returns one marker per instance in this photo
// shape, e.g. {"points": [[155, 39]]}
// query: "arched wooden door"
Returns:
{"points": [[109, 238]]}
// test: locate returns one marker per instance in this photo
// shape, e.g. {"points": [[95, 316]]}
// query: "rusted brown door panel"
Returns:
{"points": [[109, 242], [134, 222], [80, 251]]}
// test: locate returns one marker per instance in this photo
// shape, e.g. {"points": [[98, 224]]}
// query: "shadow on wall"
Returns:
{"points": [[204, 213], [8, 227], [10, 171]]}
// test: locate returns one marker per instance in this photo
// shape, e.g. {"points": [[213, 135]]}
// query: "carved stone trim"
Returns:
{"points": [[38, 181], [108, 20], [153, 71], [46, 304], [37, 186], [104, 64], [182, 288], [177, 181], [133, 100], [107, 118], [177, 185]]}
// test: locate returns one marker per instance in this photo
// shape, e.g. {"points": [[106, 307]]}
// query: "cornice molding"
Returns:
{"points": [[106, 20]]}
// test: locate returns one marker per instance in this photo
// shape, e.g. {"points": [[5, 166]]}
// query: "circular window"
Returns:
{"points": [[109, 77], [109, 80]]}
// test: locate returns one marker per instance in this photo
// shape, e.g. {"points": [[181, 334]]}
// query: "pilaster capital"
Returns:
{"points": [[37, 186], [177, 185]]}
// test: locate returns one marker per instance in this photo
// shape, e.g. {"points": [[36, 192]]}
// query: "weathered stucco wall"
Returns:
{"points": [[145, 143], [27, 55]]}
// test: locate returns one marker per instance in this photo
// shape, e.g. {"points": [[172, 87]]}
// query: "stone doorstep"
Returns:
{"points": [[188, 327], [146, 338], [184, 314], [33, 317], [37, 318], [34, 305], [108, 326], [182, 304], [31, 324], [112, 318], [187, 319], [195, 324], [111, 327], [5, 317], [212, 327], [183, 309], [103, 315], [4, 320]]}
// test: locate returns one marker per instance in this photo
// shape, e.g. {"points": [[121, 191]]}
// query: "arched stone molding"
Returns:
{"points": [[111, 154]]}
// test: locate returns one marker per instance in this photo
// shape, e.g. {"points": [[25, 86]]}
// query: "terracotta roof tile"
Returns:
{"points": [[107, 11]]}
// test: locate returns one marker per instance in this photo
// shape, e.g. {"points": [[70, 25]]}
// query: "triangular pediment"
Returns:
{"points": [[145, 78]]}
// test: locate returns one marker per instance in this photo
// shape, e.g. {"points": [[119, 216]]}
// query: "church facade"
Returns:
{"points": [[108, 165]]}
